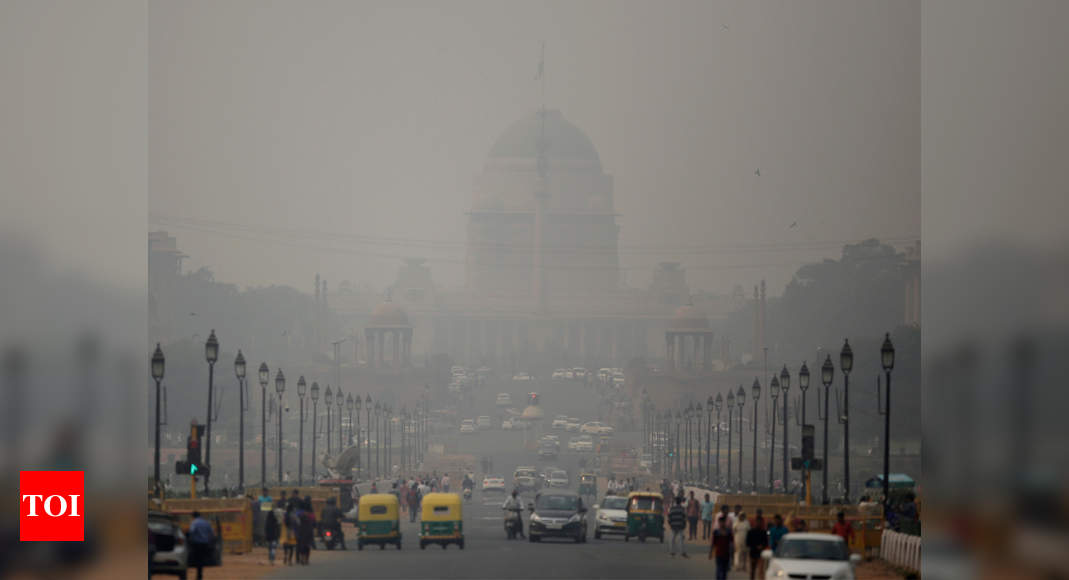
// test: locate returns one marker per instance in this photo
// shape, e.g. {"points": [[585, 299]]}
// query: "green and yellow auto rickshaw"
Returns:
{"points": [[442, 520], [645, 516], [588, 484], [380, 521]]}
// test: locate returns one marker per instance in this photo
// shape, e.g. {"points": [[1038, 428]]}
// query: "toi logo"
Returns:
{"points": [[51, 506]]}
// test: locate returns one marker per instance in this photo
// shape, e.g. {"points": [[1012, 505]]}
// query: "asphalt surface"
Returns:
{"points": [[487, 552]]}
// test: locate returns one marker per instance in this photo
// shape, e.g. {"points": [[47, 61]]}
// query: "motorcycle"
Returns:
{"points": [[467, 494], [332, 537], [513, 521]]}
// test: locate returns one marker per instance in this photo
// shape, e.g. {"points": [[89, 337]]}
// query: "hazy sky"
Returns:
{"points": [[371, 120]]}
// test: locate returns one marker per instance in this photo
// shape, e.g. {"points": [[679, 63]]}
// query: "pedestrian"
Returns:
{"points": [[776, 532], [694, 511], [271, 533], [307, 531], [726, 516], [289, 535], [757, 542], [842, 528], [741, 529], [413, 502], [294, 500], [677, 521], [201, 543], [445, 483], [721, 547], [707, 518], [374, 487], [759, 520]]}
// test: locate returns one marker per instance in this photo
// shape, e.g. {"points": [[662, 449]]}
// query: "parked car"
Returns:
{"points": [[808, 555], [167, 543]]}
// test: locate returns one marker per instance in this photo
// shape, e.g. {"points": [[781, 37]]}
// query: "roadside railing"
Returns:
{"points": [[901, 550]]}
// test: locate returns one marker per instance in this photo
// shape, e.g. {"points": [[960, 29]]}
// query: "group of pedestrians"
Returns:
{"points": [[620, 486], [291, 523]]}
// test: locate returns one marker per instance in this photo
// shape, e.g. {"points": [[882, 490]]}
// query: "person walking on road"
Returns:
{"points": [[201, 543], [413, 502], [271, 533], [721, 547], [694, 511], [757, 542], [842, 528], [741, 529], [776, 531], [289, 535], [445, 483], [677, 520], [707, 518]]}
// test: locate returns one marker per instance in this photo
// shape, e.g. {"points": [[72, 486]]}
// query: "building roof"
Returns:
{"points": [[389, 314], [563, 140], [688, 317]]}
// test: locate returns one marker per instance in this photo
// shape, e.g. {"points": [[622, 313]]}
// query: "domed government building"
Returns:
{"points": [[543, 283]]}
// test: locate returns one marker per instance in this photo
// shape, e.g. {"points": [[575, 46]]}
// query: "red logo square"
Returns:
{"points": [[51, 506]]}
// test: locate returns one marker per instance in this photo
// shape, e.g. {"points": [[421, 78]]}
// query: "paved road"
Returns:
{"points": [[487, 553]]}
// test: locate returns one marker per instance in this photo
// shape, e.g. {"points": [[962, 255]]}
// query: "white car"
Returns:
{"points": [[569, 375], [483, 422], [558, 375], [560, 422], [618, 379], [584, 444], [572, 424], [494, 483], [521, 377], [592, 427], [467, 426], [504, 399], [579, 373], [572, 442], [806, 555], [610, 516], [557, 478], [607, 430], [508, 424]]}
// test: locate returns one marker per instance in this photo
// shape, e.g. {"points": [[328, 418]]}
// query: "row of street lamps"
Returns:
{"points": [[413, 424], [668, 434]]}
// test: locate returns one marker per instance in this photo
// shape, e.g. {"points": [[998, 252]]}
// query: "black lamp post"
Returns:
{"points": [[378, 439], [280, 387], [827, 373], [301, 391], [367, 405], [773, 391], [349, 408], [740, 399], [679, 443], [239, 370], [846, 363], [756, 389], [211, 354], [328, 401], [718, 402], [357, 403], [785, 385], [388, 442], [265, 375], [803, 385], [688, 414], [730, 400], [157, 375], [709, 404], [698, 438], [315, 434], [339, 400], [887, 359]]}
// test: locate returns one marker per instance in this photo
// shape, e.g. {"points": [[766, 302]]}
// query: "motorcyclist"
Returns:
{"points": [[468, 482], [515, 508], [330, 520]]}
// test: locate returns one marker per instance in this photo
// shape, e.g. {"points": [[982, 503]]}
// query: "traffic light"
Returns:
{"points": [[193, 464], [807, 442]]}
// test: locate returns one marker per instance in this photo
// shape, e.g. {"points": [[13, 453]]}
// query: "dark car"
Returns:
{"points": [[558, 514], [167, 544]]}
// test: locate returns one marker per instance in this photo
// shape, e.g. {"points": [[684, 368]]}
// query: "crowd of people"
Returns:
{"points": [[291, 524]]}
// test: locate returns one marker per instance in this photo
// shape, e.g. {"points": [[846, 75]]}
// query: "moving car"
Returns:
{"points": [[610, 516], [508, 424], [572, 442], [579, 373], [504, 399], [494, 483], [547, 449], [483, 422], [584, 444], [467, 426], [559, 422], [558, 514], [592, 427], [558, 375], [572, 424], [521, 377], [558, 478], [806, 555], [526, 479], [170, 555]]}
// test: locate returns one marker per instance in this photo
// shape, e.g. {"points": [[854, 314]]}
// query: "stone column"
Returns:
{"points": [[707, 355], [396, 348], [369, 347], [670, 361], [697, 339], [380, 348]]}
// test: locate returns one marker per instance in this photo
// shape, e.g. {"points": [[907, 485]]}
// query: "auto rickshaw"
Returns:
{"points": [[645, 515], [588, 484], [442, 521], [380, 521]]}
